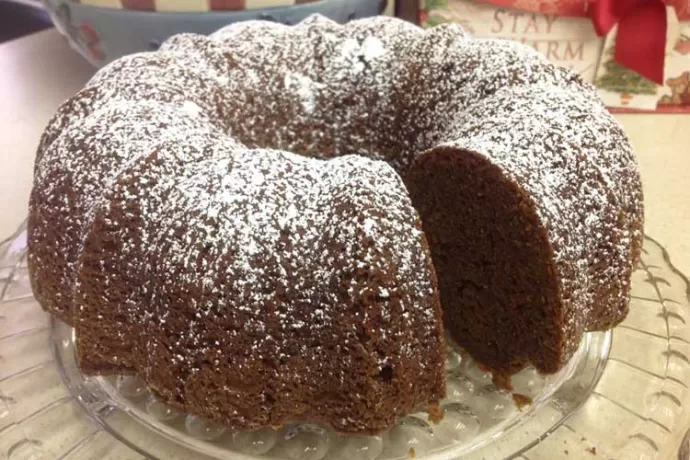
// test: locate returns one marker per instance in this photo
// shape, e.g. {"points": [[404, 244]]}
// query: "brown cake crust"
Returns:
{"points": [[338, 326], [254, 286]]}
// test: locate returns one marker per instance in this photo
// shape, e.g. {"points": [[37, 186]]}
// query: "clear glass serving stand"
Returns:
{"points": [[622, 396]]}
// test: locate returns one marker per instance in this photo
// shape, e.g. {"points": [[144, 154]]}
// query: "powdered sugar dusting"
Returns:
{"points": [[372, 48], [175, 167], [304, 88]]}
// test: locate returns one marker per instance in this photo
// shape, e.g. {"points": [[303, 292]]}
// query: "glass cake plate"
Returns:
{"points": [[622, 396]]}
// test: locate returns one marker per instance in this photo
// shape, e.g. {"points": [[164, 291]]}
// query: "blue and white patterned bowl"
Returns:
{"points": [[103, 30]]}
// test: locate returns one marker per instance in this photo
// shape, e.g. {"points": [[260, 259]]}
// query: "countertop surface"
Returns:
{"points": [[39, 71]]}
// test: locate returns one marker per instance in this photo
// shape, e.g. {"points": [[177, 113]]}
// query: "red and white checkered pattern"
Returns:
{"points": [[190, 5]]}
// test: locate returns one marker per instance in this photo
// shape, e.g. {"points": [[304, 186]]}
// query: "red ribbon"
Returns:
{"points": [[641, 39]]}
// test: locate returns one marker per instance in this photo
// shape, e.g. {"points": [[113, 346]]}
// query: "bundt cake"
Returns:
{"points": [[276, 222]]}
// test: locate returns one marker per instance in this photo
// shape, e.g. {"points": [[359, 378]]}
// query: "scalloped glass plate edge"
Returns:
{"points": [[564, 394], [578, 403]]}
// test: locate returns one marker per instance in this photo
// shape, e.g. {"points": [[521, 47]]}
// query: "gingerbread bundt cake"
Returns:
{"points": [[236, 218]]}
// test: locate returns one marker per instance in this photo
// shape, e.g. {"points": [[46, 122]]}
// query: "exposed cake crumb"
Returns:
{"points": [[436, 413], [521, 401]]}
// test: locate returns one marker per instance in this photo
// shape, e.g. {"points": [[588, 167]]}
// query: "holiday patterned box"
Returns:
{"points": [[594, 39]]}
